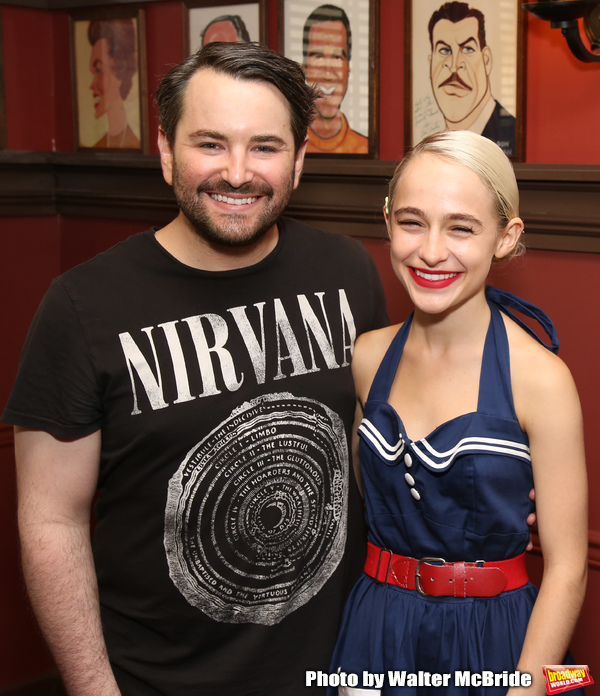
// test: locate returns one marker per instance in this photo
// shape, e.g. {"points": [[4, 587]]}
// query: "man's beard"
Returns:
{"points": [[234, 230]]}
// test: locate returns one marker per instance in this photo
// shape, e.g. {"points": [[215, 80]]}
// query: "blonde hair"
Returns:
{"points": [[481, 156]]}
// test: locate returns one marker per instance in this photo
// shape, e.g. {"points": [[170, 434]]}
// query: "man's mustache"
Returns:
{"points": [[454, 79]]}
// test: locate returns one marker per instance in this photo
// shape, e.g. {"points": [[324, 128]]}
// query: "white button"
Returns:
{"points": [[415, 494], [409, 479], [408, 460]]}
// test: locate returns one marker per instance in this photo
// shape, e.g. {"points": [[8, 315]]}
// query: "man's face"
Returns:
{"points": [[326, 65], [220, 31], [232, 166], [105, 84], [459, 70]]}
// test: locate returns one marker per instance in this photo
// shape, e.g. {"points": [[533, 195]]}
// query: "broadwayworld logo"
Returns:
{"points": [[561, 678]]}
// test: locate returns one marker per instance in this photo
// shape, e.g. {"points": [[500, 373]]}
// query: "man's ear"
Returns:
{"points": [[166, 156], [488, 61], [299, 162], [509, 238]]}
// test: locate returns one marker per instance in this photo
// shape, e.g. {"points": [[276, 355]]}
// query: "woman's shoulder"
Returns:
{"points": [[538, 375], [369, 350]]}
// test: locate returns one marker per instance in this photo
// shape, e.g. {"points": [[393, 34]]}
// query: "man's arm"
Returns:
{"points": [[56, 484]]}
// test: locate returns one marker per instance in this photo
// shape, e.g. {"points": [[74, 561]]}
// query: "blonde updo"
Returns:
{"points": [[481, 156]]}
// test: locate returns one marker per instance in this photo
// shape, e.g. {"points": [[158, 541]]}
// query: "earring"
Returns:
{"points": [[386, 205]]}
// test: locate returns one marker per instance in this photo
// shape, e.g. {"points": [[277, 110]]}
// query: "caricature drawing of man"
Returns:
{"points": [[460, 67], [230, 28], [326, 49]]}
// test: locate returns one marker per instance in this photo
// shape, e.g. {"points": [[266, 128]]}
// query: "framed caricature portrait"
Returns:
{"points": [[108, 70], [206, 21], [336, 43], [465, 70]]}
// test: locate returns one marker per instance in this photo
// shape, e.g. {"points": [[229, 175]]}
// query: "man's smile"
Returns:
{"points": [[233, 201]]}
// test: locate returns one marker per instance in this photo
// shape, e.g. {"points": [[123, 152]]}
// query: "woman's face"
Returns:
{"points": [[105, 85], [444, 233]]}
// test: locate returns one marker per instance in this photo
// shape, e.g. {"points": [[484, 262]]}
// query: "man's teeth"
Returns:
{"points": [[435, 276], [327, 91], [233, 201]]}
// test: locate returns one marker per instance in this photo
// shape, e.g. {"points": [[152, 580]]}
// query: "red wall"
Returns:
{"points": [[563, 110]]}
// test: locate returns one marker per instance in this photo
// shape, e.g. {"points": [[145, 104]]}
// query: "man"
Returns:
{"points": [[460, 68], [327, 48], [225, 28], [197, 377]]}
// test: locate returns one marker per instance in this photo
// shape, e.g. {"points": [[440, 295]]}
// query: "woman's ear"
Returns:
{"points": [[509, 238]]}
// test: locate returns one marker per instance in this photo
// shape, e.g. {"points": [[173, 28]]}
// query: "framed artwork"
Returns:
{"points": [[337, 45], [465, 70], [205, 21], [108, 76]]}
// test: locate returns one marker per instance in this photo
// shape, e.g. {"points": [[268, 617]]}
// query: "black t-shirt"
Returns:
{"points": [[229, 530]]}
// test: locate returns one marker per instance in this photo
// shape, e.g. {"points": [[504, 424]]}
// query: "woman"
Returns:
{"points": [[113, 63], [460, 410]]}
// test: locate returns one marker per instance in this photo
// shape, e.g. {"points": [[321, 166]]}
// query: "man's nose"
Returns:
{"points": [[237, 170], [453, 61]]}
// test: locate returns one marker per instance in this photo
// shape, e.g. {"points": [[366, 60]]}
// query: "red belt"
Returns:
{"points": [[434, 577]]}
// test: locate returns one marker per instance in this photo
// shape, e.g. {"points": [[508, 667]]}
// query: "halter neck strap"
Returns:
{"points": [[505, 299]]}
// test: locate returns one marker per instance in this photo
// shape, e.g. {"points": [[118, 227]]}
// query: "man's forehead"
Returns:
{"points": [[203, 95], [456, 32], [328, 34]]}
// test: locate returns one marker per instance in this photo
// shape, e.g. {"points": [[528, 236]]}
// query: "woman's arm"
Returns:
{"points": [[548, 407], [369, 351]]}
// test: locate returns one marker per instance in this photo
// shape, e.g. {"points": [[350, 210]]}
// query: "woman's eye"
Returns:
{"points": [[409, 224]]}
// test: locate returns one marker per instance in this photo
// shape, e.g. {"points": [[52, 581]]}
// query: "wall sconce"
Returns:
{"points": [[564, 15]]}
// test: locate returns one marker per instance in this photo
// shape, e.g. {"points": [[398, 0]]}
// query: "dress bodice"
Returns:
{"points": [[461, 492]]}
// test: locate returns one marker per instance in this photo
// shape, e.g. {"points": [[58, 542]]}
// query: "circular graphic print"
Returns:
{"points": [[256, 514]]}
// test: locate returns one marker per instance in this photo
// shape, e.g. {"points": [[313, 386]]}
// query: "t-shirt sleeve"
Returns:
{"points": [[56, 388]]}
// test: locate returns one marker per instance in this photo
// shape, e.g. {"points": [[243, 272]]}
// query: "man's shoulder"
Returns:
{"points": [[116, 259], [321, 241]]}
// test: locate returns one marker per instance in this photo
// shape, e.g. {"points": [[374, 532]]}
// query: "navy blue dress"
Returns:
{"points": [[462, 494]]}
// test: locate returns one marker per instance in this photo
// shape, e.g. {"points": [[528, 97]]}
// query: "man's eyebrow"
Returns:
{"points": [[461, 44], [267, 138], [212, 135], [217, 135], [466, 41]]}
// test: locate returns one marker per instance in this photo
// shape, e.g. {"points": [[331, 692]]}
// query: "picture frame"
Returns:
{"points": [[491, 98], [109, 80], [244, 19], [347, 119]]}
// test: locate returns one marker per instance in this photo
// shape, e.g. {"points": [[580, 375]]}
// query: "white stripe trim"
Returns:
{"points": [[465, 448], [486, 440], [386, 451]]}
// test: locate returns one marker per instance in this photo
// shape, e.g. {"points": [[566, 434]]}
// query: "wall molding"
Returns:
{"points": [[559, 203], [46, 685]]}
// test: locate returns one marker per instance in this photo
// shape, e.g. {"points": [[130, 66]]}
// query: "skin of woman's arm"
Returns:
{"points": [[56, 482], [548, 408]]}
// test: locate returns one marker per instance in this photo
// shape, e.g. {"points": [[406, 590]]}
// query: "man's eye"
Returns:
{"points": [[468, 50], [445, 51]]}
